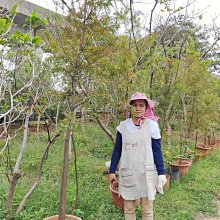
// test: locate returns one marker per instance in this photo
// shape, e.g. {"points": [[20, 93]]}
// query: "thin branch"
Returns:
{"points": [[132, 25], [38, 178], [105, 129], [151, 16], [203, 56], [64, 2]]}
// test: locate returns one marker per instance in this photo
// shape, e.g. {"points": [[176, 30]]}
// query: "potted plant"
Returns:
{"points": [[181, 163], [172, 175], [182, 166], [203, 149], [189, 154]]}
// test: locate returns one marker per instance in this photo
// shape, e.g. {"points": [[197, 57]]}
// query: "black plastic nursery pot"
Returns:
{"points": [[174, 174]]}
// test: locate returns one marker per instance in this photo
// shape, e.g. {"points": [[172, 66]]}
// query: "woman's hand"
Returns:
{"points": [[112, 178]]}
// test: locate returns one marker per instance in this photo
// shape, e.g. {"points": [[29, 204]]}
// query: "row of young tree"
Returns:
{"points": [[100, 53]]}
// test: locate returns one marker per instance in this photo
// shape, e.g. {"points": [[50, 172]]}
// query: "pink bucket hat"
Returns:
{"points": [[139, 95], [150, 104]]}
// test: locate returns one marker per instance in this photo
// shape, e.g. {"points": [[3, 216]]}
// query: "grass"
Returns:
{"points": [[195, 192], [192, 195]]}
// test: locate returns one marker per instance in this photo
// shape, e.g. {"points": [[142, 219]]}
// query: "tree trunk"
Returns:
{"points": [[166, 116], [76, 176], [38, 125], [13, 184], [196, 138], [24, 144], [82, 120], [16, 173], [57, 116], [168, 135], [191, 119], [197, 122], [62, 212], [184, 115], [70, 147]]}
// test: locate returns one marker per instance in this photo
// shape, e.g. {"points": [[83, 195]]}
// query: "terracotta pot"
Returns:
{"points": [[116, 198], [183, 167], [200, 145], [68, 217], [184, 159], [203, 150]]}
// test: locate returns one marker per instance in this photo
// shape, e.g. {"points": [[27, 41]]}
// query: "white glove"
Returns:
{"points": [[161, 181]]}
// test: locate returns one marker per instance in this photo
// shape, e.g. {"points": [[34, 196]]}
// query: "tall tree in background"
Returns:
{"points": [[22, 74]]}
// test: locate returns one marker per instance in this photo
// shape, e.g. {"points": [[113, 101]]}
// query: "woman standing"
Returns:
{"points": [[141, 167]]}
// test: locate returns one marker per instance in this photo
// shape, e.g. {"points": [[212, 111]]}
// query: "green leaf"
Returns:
{"points": [[13, 9], [36, 40], [2, 41], [26, 38], [35, 20], [2, 22]]}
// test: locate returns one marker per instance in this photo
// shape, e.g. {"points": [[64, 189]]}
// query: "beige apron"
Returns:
{"points": [[137, 171]]}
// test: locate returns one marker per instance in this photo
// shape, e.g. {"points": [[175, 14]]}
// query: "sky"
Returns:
{"points": [[210, 7]]}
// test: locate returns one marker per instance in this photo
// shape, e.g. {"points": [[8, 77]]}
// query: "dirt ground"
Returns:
{"points": [[203, 217]]}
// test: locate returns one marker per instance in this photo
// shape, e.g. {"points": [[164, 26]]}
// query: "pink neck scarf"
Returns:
{"points": [[148, 114]]}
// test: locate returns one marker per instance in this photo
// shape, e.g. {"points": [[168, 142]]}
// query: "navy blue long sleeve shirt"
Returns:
{"points": [[157, 154]]}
